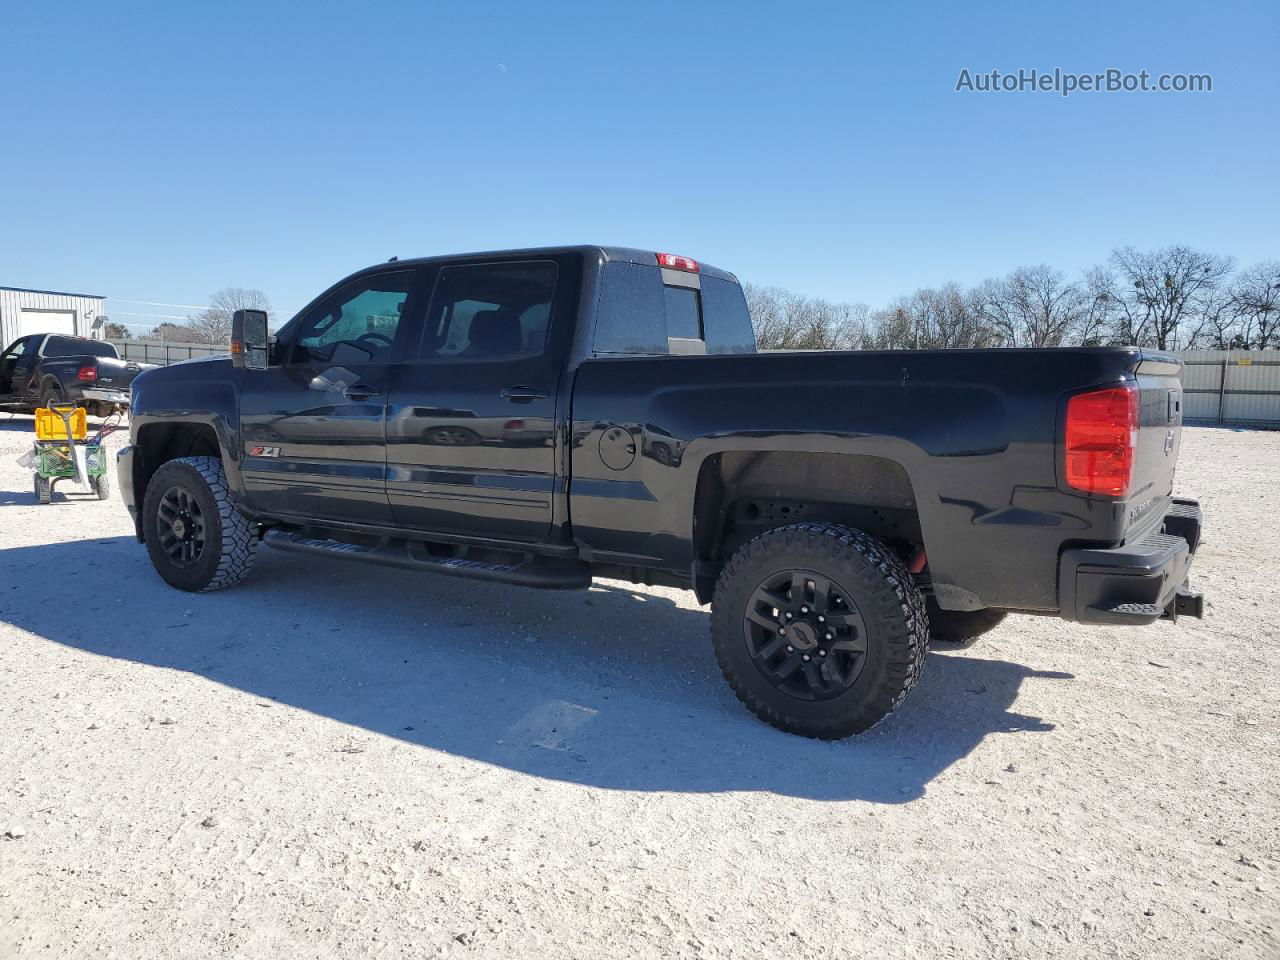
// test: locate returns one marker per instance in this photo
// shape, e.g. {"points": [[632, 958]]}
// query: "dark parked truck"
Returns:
{"points": [[543, 417], [46, 368]]}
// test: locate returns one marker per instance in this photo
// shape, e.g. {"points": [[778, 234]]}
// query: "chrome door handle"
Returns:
{"points": [[361, 391], [524, 394]]}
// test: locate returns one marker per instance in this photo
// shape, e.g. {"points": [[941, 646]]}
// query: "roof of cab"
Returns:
{"points": [[620, 254]]}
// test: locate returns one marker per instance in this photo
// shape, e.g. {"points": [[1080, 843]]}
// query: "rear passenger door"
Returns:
{"points": [[471, 419]]}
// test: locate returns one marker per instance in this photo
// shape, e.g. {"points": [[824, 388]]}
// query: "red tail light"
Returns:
{"points": [[674, 261], [87, 373], [1102, 440]]}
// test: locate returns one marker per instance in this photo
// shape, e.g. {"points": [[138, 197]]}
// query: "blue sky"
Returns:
{"points": [[161, 151]]}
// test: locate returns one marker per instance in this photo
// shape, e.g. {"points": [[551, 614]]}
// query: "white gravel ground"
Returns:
{"points": [[342, 761]]}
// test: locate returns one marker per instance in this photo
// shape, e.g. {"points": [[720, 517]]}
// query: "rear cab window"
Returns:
{"points": [[649, 310], [73, 347]]}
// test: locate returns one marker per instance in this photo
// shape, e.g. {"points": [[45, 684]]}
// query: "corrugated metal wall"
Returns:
{"points": [[12, 303], [1231, 386]]}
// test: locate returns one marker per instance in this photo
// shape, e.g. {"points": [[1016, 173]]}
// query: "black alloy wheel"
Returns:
{"points": [[805, 635], [819, 628], [195, 536], [180, 524]]}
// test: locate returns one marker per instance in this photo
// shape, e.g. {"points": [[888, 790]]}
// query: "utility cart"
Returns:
{"points": [[63, 452]]}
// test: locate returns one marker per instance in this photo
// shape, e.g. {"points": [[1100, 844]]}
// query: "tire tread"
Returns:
{"points": [[239, 540], [905, 635]]}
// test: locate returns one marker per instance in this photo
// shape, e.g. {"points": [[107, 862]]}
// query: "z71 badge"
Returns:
{"points": [[264, 451]]}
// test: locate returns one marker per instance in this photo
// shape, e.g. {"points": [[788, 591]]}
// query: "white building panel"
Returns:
{"points": [[24, 311], [46, 321]]}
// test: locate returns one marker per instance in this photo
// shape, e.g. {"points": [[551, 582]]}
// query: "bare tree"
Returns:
{"points": [[788, 321], [1033, 307], [1255, 305], [174, 332], [1114, 314], [934, 318], [213, 325], [1168, 298], [1163, 288], [1099, 306], [891, 329], [1216, 326], [768, 315]]}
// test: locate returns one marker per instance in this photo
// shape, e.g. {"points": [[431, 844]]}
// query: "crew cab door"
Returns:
{"points": [[313, 422], [472, 416], [18, 366]]}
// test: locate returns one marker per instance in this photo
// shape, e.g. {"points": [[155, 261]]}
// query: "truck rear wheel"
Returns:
{"points": [[819, 629], [51, 393], [196, 538], [961, 626]]}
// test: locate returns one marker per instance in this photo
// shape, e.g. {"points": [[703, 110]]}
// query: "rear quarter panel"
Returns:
{"points": [[975, 432]]}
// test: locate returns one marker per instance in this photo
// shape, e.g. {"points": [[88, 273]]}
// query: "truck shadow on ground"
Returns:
{"points": [[612, 687]]}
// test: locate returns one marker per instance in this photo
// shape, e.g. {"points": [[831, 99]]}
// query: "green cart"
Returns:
{"points": [[62, 452]]}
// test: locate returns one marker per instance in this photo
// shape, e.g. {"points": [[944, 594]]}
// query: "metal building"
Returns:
{"points": [[25, 311]]}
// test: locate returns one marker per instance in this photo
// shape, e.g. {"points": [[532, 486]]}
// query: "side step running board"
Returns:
{"points": [[544, 572], [1185, 603]]}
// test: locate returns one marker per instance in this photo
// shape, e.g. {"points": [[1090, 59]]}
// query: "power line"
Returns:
{"points": [[155, 316], [156, 303]]}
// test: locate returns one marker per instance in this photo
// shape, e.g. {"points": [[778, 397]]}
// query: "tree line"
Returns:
{"points": [[211, 325], [1173, 298]]}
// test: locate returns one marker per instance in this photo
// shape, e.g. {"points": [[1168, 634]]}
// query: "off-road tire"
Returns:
{"points": [[44, 490], [961, 627], [102, 486], [231, 542], [875, 580]]}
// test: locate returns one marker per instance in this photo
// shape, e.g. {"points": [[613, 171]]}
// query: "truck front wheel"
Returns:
{"points": [[196, 538], [819, 629]]}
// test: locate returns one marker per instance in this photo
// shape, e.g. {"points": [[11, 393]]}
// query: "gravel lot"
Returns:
{"points": [[336, 760]]}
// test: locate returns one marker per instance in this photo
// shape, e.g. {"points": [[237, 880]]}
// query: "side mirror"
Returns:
{"points": [[249, 339]]}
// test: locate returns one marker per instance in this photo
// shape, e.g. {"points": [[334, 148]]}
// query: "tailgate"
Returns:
{"points": [[117, 374], [1159, 436]]}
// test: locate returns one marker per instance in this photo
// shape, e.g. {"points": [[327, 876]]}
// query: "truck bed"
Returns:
{"points": [[976, 433]]}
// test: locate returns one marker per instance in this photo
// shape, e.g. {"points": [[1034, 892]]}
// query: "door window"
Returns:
{"points": [[356, 324], [18, 348], [490, 311]]}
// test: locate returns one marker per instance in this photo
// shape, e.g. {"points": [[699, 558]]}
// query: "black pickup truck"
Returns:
{"points": [[45, 368], [543, 417]]}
